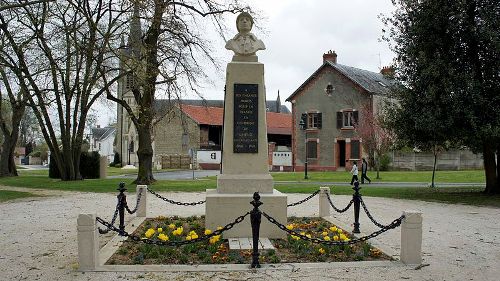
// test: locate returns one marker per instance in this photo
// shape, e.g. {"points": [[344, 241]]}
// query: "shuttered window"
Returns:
{"points": [[355, 149]]}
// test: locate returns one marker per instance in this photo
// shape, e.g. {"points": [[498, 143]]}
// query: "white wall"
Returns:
{"points": [[282, 158], [208, 156]]}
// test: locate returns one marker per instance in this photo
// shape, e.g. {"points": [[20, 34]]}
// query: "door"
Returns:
{"points": [[341, 157]]}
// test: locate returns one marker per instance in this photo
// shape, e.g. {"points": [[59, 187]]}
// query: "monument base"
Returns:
{"points": [[246, 183], [222, 209]]}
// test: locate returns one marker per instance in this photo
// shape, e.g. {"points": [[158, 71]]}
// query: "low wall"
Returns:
{"points": [[447, 160]]}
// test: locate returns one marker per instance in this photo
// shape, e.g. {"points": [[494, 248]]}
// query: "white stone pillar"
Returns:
{"points": [[88, 242], [324, 206], [142, 208], [411, 238], [103, 167]]}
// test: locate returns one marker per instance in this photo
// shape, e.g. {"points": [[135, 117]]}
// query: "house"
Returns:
{"points": [[183, 128], [328, 104], [101, 140]]}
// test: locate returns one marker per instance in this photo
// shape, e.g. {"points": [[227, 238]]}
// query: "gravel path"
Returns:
{"points": [[38, 239]]}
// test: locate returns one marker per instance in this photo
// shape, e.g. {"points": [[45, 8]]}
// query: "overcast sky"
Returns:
{"points": [[297, 33]]}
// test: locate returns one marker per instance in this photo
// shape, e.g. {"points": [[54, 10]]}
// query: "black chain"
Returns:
{"points": [[104, 231], [136, 204], [394, 224], [370, 215], [172, 243], [337, 209], [175, 202], [303, 200]]}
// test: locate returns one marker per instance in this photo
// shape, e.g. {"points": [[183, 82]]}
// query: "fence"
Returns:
{"points": [[88, 231], [447, 160], [175, 161]]}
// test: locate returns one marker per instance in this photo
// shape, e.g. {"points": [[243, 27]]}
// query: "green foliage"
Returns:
{"points": [[89, 165], [385, 161], [448, 61], [116, 159]]}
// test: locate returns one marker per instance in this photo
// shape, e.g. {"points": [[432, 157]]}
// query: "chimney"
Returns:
{"points": [[330, 56], [387, 71], [98, 126]]}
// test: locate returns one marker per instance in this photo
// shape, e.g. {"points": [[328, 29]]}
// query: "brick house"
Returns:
{"points": [[199, 127], [329, 102]]}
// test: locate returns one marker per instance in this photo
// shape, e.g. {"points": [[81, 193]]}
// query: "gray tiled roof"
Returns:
{"points": [[102, 133], [373, 82]]}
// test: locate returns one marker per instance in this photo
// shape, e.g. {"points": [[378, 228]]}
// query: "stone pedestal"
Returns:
{"points": [[222, 209], [245, 155], [411, 238]]}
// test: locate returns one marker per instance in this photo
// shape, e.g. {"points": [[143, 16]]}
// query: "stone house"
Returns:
{"points": [[101, 140], [329, 103]]}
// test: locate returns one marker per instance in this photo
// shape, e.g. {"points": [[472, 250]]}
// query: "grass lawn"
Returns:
{"points": [[6, 195], [472, 176], [453, 195]]}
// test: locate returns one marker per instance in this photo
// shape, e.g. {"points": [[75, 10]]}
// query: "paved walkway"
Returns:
{"points": [[38, 240]]}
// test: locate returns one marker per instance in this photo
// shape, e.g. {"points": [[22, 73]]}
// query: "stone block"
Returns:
{"points": [[411, 238], [88, 242], [223, 208]]}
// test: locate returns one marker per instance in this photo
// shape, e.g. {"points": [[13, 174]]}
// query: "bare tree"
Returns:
{"points": [[167, 52], [59, 52]]}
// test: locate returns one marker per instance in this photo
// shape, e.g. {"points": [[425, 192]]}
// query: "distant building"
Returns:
{"points": [[329, 102], [101, 140]]}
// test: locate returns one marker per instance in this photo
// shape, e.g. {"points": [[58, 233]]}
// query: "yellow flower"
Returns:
{"points": [[219, 227], [192, 232], [149, 233], [339, 230], [171, 226], [178, 231], [347, 240], [343, 237], [208, 231], [321, 250], [335, 238], [333, 228], [188, 238], [290, 226], [214, 239], [324, 233], [326, 238], [303, 233], [308, 235], [160, 230], [295, 237], [163, 237]]}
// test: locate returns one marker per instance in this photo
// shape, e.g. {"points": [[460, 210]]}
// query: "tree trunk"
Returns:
{"points": [[145, 155], [377, 161], [7, 164], [490, 168], [434, 169]]}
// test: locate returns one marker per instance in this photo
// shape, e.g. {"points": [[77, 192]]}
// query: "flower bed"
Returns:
{"points": [[216, 250]]}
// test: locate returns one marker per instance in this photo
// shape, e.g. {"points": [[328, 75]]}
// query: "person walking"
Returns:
{"points": [[354, 172], [364, 170]]}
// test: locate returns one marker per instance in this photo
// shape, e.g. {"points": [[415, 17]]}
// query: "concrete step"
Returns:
{"points": [[246, 244]]}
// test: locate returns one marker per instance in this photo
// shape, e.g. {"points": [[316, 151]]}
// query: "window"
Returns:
{"points": [[99, 146], [312, 149], [312, 120], [130, 81], [355, 149], [347, 119]]}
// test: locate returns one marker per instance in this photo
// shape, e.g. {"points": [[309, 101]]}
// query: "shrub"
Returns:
{"points": [[385, 160], [116, 159], [35, 154], [89, 165]]}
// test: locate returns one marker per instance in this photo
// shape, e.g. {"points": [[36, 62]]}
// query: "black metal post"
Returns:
{"points": [[307, 156], [122, 198], [356, 198], [255, 219]]}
